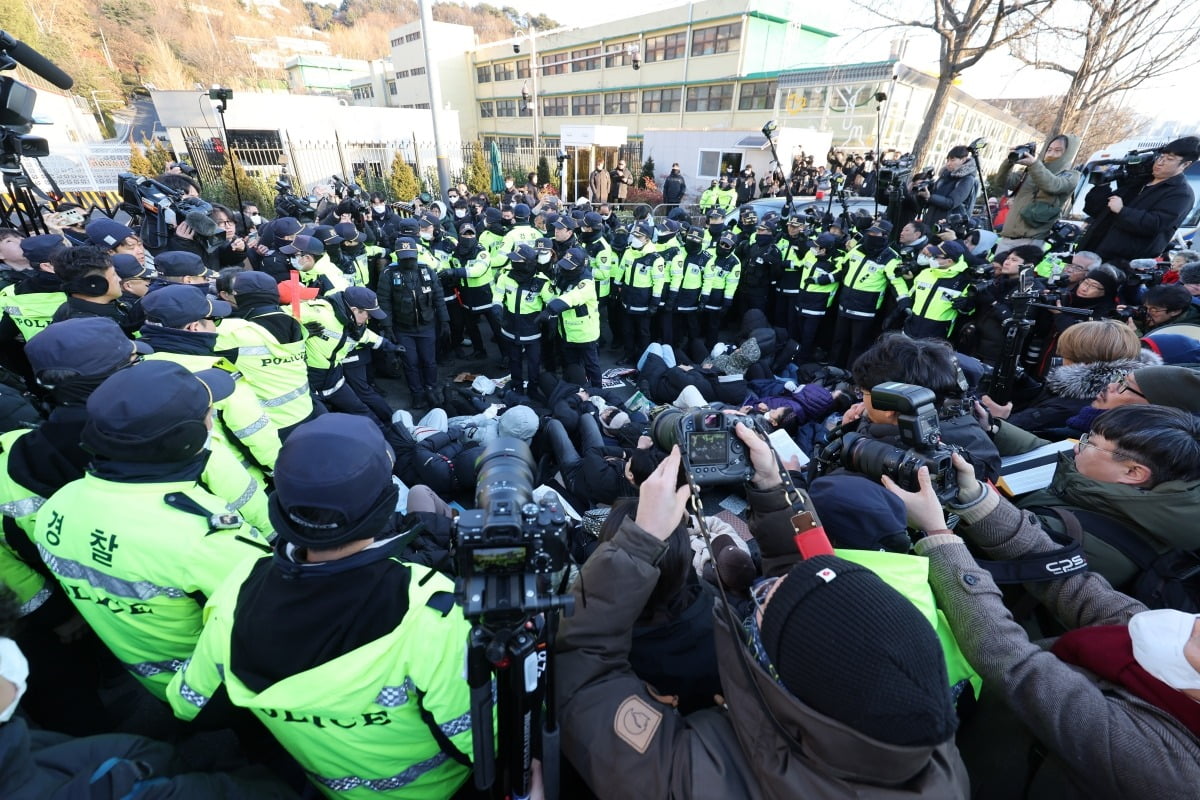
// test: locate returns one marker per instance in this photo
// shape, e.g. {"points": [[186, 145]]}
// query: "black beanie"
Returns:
{"points": [[1105, 279], [851, 647]]}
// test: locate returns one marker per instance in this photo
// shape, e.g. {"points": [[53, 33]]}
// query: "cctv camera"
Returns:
{"points": [[516, 47]]}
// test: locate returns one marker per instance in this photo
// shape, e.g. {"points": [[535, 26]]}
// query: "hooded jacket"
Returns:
{"points": [[1051, 182], [1071, 387], [1164, 517], [1146, 223], [626, 744], [953, 193]]}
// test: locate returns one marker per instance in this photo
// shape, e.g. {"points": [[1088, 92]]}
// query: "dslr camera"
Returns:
{"points": [[1024, 151], [711, 450], [920, 436], [510, 550]]}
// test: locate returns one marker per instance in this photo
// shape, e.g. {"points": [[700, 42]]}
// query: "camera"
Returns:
{"points": [[1145, 272], [711, 450], [287, 204], [510, 548], [919, 434], [1135, 165], [960, 224], [159, 207], [1024, 151], [1137, 314]]}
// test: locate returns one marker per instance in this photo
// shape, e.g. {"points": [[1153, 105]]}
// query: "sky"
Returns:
{"points": [[997, 75]]}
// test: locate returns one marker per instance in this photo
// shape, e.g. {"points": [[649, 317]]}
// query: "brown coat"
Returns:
{"points": [[599, 185]]}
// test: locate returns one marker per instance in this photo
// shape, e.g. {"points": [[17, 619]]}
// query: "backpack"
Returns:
{"points": [[1170, 579]]}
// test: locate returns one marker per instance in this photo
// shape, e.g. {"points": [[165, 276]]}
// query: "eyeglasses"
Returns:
{"points": [[1085, 442], [1091, 284], [1123, 386], [1168, 158]]}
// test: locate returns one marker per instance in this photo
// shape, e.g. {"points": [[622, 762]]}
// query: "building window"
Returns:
{"points": [[665, 47], [585, 105], [402, 74], [504, 71], [714, 163], [413, 37], [717, 39], [757, 96], [422, 105], [486, 109], [584, 60], [716, 97], [617, 55], [660, 101], [391, 87], [554, 64], [523, 68], [620, 102], [554, 106], [396, 42], [506, 108], [483, 74], [418, 70]]}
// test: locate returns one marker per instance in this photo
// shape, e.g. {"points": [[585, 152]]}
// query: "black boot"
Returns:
{"points": [[420, 400]]}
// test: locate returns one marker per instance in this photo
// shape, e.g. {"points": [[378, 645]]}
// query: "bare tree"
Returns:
{"points": [[1112, 121], [967, 30], [1109, 46]]}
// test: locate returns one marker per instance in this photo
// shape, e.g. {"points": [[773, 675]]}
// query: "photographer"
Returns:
{"points": [[1138, 219], [867, 727], [990, 300], [1036, 195], [283, 633], [929, 363], [1169, 304], [954, 190], [1112, 701]]}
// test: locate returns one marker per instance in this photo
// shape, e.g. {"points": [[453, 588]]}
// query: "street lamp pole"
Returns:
{"points": [[435, 99]]}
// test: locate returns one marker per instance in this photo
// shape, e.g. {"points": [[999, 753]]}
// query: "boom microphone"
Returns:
{"points": [[34, 61]]}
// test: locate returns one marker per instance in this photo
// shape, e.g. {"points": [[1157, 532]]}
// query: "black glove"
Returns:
{"points": [[315, 329], [900, 313], [543, 317], [444, 334], [823, 278], [963, 305]]}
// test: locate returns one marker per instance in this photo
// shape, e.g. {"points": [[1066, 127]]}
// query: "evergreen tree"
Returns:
{"points": [[479, 175], [158, 155], [647, 177], [138, 163], [402, 181], [543, 171]]}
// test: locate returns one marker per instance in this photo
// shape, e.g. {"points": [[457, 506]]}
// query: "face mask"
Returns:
{"points": [[691, 245], [295, 262], [427, 236], [460, 212], [544, 257], [763, 238], [15, 669], [716, 230], [466, 242], [1158, 639], [378, 209], [639, 244], [874, 244], [507, 223], [256, 219], [508, 184], [724, 249], [925, 260]]}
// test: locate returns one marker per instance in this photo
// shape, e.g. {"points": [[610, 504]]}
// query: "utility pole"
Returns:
{"points": [[435, 98]]}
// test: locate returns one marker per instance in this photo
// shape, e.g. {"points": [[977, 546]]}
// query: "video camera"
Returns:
{"points": [[349, 192], [1145, 272], [288, 204], [1022, 151], [711, 450], [1136, 164], [157, 209], [920, 436]]}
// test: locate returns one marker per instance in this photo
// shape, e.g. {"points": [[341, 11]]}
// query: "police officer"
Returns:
{"points": [[266, 344], [868, 270], [761, 264], [338, 600], [687, 294], [103, 536], [522, 231], [672, 252], [726, 196], [522, 292], [795, 253], [275, 235], [180, 327], [563, 232], [315, 270], [87, 274], [29, 305], [471, 271], [930, 308], [576, 305], [715, 220], [818, 287], [410, 295], [721, 278], [359, 260], [745, 225], [603, 261], [642, 276], [708, 198]]}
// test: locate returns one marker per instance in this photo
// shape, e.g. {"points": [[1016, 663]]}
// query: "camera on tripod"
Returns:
{"points": [[1027, 150], [920, 436], [711, 450], [1135, 164]]}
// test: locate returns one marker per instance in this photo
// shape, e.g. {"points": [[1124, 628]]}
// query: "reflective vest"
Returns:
{"points": [[358, 269], [329, 349], [477, 293], [275, 372], [325, 276], [355, 723], [32, 312], [134, 558], [603, 260], [865, 280], [935, 289], [691, 280], [642, 276], [579, 322], [725, 199], [707, 198], [242, 422], [520, 234], [721, 278], [797, 258], [672, 255], [815, 297], [21, 506], [520, 304]]}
